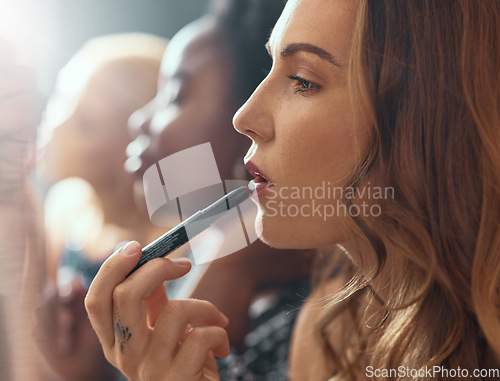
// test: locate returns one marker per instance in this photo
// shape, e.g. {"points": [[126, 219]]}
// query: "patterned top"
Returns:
{"points": [[74, 263], [266, 346]]}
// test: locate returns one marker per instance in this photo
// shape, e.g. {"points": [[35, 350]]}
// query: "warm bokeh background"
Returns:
{"points": [[48, 32]]}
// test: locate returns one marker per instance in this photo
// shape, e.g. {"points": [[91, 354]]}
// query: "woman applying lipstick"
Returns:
{"points": [[209, 69], [361, 94]]}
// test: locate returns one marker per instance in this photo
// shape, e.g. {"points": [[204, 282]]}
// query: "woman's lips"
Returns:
{"points": [[261, 181], [138, 159], [137, 165]]}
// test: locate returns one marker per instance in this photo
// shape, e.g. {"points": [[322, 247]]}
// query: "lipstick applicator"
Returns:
{"points": [[195, 224]]}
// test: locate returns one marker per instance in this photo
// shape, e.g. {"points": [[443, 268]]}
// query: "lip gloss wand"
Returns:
{"points": [[195, 224]]}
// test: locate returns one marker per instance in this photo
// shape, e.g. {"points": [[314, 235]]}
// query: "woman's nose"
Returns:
{"points": [[254, 118]]}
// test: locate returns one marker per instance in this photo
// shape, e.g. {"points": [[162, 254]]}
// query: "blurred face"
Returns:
{"points": [[300, 120], [90, 142], [192, 106]]}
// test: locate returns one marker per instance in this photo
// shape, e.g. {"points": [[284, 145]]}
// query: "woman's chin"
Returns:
{"points": [[275, 233], [297, 233]]}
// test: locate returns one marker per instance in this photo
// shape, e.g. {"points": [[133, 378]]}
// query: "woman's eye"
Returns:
{"points": [[172, 94], [302, 85], [176, 97], [176, 100]]}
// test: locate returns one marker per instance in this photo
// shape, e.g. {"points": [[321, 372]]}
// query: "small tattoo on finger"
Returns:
{"points": [[122, 333]]}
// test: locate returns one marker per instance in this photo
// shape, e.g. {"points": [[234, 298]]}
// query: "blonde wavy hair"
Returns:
{"points": [[428, 74]]}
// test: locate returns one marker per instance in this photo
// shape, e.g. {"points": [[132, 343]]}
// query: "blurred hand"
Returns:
{"points": [[147, 336], [66, 338]]}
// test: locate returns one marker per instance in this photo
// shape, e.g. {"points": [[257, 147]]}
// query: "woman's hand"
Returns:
{"points": [[147, 336]]}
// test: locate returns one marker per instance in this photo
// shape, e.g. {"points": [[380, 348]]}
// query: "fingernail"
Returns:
{"points": [[130, 248], [183, 262]]}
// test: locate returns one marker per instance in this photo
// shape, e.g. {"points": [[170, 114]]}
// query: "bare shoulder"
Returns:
{"points": [[307, 359]]}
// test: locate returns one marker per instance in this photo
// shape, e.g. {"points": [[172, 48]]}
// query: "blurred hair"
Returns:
{"points": [[134, 60], [114, 47], [428, 75], [245, 27]]}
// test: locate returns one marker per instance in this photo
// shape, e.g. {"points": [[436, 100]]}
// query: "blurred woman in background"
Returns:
{"points": [[91, 205]]}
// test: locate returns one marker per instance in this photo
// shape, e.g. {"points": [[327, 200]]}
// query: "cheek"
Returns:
{"points": [[320, 143], [317, 148], [64, 147], [194, 123], [111, 136], [181, 128]]}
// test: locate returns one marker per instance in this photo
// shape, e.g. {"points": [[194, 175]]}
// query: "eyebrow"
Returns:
{"points": [[291, 49]]}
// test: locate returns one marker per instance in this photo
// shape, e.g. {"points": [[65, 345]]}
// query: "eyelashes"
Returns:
{"points": [[303, 86]]}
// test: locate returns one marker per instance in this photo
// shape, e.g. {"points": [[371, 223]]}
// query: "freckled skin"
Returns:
{"points": [[300, 120], [302, 125]]}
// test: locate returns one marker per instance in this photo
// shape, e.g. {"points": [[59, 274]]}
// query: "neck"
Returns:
{"points": [[265, 267]]}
